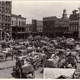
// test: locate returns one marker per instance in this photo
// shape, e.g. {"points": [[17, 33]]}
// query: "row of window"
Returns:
{"points": [[18, 24], [5, 24], [73, 28], [18, 29], [5, 10], [39, 29], [21, 23], [13, 23], [5, 3], [5, 18]]}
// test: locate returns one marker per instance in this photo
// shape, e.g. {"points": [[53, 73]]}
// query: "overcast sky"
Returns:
{"points": [[38, 9]]}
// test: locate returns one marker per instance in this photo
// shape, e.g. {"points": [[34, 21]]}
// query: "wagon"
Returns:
{"points": [[25, 69], [28, 69]]}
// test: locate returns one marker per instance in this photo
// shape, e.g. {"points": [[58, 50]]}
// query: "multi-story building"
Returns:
{"points": [[37, 26], [74, 23], [18, 24], [49, 25], [28, 28], [62, 26], [34, 27], [5, 18], [56, 26], [18, 20]]}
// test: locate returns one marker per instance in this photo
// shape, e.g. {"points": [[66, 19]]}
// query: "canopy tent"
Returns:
{"points": [[54, 73], [37, 37]]}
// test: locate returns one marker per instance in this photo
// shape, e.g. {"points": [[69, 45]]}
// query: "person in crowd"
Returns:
{"points": [[70, 59]]}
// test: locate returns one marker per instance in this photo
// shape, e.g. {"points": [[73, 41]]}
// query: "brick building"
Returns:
{"points": [[49, 25], [37, 26], [53, 26], [18, 24], [5, 18], [28, 28], [74, 23]]}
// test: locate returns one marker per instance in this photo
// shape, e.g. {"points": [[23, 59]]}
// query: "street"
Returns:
{"points": [[7, 67]]}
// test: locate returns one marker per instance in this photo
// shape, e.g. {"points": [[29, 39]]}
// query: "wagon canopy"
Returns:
{"points": [[70, 41], [37, 37], [55, 73], [77, 47], [27, 68]]}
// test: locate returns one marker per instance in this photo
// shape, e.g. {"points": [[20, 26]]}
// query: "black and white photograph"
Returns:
{"points": [[39, 39]]}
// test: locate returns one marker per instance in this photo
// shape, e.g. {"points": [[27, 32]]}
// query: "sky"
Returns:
{"points": [[37, 9]]}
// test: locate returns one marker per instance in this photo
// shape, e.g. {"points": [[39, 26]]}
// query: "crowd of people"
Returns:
{"points": [[42, 51]]}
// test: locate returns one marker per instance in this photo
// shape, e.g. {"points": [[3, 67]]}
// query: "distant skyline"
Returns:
{"points": [[39, 9]]}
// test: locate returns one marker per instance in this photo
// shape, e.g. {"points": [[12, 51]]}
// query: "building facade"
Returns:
{"points": [[28, 28], [49, 25], [37, 26], [62, 26], [56, 26], [74, 23], [18, 24], [34, 27], [5, 18]]}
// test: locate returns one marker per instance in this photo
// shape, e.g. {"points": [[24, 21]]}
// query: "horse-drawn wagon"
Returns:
{"points": [[23, 68]]}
